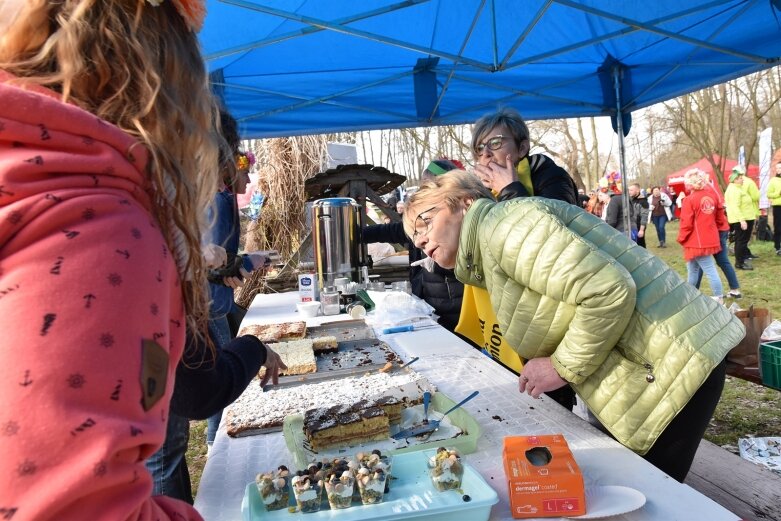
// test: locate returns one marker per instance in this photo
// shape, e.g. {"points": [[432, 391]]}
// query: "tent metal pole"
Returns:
{"points": [[622, 151]]}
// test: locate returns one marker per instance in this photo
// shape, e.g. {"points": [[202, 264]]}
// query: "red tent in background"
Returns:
{"points": [[675, 180]]}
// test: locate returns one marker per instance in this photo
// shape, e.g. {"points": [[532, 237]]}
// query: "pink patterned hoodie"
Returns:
{"points": [[88, 293]]}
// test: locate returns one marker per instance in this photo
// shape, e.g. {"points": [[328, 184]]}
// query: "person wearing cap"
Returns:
{"points": [[741, 213], [774, 195], [436, 285]]}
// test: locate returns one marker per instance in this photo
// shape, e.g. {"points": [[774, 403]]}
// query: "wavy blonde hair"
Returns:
{"points": [[453, 188], [138, 67]]}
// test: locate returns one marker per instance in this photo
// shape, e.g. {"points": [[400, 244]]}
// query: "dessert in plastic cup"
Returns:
{"points": [[339, 486], [375, 460], [371, 485], [274, 489], [308, 488], [446, 469]]}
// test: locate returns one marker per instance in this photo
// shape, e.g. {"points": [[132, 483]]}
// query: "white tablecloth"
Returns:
{"points": [[457, 369]]}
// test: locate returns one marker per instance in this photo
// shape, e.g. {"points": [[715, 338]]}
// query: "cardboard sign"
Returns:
{"points": [[543, 478]]}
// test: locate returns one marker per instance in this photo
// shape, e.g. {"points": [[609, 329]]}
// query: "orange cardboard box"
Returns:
{"points": [[543, 477]]}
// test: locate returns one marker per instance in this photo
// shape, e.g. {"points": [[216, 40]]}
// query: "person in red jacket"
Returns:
{"points": [[699, 231], [108, 160]]}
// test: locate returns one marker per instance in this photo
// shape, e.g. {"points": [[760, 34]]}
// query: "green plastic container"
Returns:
{"points": [[770, 364]]}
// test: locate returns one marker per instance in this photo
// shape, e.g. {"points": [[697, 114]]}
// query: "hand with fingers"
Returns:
{"points": [[274, 365], [495, 176], [539, 376]]}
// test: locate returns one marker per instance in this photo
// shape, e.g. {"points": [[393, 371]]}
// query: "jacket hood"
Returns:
{"points": [[55, 150]]}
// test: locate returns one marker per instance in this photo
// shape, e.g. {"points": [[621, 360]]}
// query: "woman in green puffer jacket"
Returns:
{"points": [[583, 304]]}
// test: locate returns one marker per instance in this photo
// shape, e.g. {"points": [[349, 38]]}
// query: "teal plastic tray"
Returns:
{"points": [[412, 496], [466, 442]]}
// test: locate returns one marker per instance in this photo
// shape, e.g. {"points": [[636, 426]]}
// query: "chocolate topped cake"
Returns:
{"points": [[344, 425]]}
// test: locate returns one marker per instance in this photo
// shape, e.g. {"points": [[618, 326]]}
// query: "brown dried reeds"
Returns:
{"points": [[284, 165]]}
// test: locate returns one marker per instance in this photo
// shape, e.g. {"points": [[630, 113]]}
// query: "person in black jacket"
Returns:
{"points": [[206, 382], [615, 213], [500, 142], [439, 287]]}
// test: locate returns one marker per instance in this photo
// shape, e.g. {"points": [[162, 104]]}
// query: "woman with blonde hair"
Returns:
{"points": [[701, 217], [582, 304], [108, 160]]}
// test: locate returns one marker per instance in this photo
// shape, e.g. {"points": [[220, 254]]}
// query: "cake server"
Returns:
{"points": [[431, 426]]}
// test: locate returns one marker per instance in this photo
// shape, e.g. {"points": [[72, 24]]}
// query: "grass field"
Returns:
{"points": [[745, 408]]}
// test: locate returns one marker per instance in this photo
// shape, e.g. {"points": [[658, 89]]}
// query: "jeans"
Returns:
{"points": [[659, 222], [220, 333], [705, 264], [777, 227], [722, 260], [168, 465]]}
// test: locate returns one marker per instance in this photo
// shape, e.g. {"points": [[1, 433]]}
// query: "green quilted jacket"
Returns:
{"points": [[633, 338]]}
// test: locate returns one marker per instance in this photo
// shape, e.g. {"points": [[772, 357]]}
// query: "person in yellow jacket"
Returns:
{"points": [[753, 191], [586, 306], [741, 213], [774, 195]]}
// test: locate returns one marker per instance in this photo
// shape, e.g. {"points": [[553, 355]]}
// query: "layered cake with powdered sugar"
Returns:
{"points": [[256, 410]]}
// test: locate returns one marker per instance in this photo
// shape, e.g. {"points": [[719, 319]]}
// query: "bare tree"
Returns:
{"points": [[717, 120]]}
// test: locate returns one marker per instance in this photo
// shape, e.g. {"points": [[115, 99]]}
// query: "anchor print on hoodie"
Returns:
{"points": [[86, 279]]}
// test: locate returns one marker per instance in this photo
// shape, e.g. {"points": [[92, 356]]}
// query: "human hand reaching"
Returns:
{"points": [[273, 365], [539, 376]]}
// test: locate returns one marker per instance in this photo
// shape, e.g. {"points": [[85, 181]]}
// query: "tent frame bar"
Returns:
{"points": [[310, 29], [335, 27], [662, 32]]}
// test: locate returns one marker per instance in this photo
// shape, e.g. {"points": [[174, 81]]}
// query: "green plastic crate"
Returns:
{"points": [[770, 363]]}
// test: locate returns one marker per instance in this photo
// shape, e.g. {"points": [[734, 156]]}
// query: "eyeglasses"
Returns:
{"points": [[493, 143], [423, 224]]}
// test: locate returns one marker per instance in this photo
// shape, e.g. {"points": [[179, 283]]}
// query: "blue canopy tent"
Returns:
{"points": [[292, 67]]}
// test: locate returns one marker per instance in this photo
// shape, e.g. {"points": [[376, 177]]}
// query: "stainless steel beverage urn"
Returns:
{"points": [[336, 227]]}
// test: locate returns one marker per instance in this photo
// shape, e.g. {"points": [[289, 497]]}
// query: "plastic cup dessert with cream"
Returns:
{"points": [[339, 487], [375, 460], [274, 489], [308, 487], [446, 469], [372, 475]]}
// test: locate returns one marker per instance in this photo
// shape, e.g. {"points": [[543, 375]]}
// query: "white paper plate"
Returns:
{"points": [[611, 500]]}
